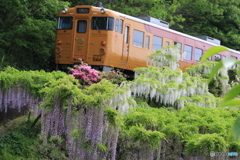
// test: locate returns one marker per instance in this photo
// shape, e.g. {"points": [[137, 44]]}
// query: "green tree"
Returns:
{"points": [[27, 33], [218, 19]]}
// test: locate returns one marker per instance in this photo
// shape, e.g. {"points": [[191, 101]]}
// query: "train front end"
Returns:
{"points": [[83, 34]]}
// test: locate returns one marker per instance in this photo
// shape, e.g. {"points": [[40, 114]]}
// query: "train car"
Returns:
{"points": [[105, 38]]}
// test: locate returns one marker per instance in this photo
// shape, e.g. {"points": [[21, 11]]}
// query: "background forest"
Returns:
{"points": [[27, 28], [162, 114]]}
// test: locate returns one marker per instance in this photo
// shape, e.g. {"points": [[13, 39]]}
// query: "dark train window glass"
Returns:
{"points": [[217, 57], [65, 23], [82, 10], [116, 25], [82, 26], [188, 52], [198, 54], [157, 43], [147, 42], [102, 23], [138, 38], [179, 45], [120, 26]]}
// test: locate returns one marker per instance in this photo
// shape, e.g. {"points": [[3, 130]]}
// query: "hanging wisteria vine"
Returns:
{"points": [[85, 108], [165, 84], [94, 137], [68, 111]]}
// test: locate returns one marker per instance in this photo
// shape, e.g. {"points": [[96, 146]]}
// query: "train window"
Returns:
{"points": [[82, 26], [82, 10], [157, 42], [167, 43], [102, 23], [188, 52], [120, 26], [65, 23], [138, 38], [217, 57], [116, 25], [198, 54], [126, 35], [147, 42], [179, 45]]}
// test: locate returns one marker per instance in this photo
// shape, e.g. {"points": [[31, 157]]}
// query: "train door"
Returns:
{"points": [[63, 48], [80, 46], [125, 51]]}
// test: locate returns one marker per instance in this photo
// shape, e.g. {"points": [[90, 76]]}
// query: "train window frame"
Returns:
{"points": [[116, 25], [82, 10], [126, 34], [78, 29], [157, 44], [61, 19], [147, 42], [138, 38], [187, 52], [179, 45], [120, 26], [198, 51], [109, 23]]}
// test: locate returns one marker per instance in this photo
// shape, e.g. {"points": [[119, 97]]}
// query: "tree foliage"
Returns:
{"points": [[189, 131], [18, 136], [27, 33], [163, 9], [218, 19]]}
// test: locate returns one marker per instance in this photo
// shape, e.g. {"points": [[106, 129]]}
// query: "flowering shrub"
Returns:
{"points": [[86, 74], [113, 76]]}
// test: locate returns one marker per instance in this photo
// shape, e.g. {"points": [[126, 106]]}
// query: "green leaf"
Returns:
{"points": [[214, 71], [236, 63], [235, 91], [233, 102], [212, 51], [236, 128]]}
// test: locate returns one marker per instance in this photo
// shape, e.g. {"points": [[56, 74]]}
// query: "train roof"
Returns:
{"points": [[170, 30]]}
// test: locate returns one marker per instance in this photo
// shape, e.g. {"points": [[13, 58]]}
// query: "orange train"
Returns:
{"points": [[105, 38]]}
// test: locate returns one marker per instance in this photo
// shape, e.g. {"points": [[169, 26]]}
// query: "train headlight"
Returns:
{"points": [[102, 10], [64, 10], [103, 43], [59, 42]]}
